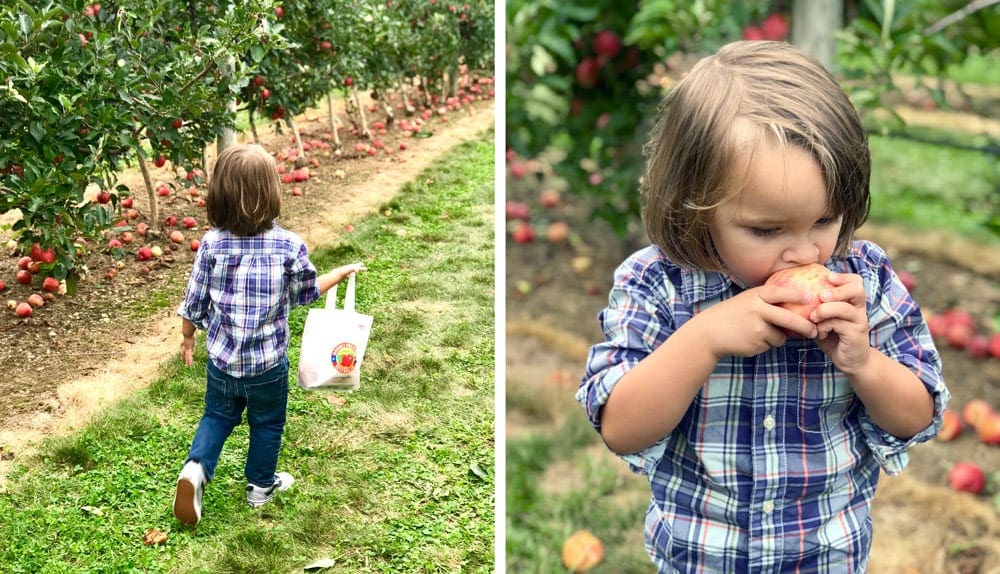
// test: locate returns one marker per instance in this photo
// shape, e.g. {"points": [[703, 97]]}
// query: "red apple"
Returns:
{"points": [[959, 334], [907, 279], [36, 300], [975, 411], [36, 252], [159, 161], [23, 262], [517, 210], [557, 232], [144, 253], [127, 202], [194, 245], [752, 33], [549, 198], [114, 243], [978, 347], [586, 72], [24, 277], [995, 345], [811, 278], [524, 233], [951, 426], [2, 285], [348, 81], [190, 222], [177, 124], [966, 476], [170, 220], [103, 196], [142, 228], [23, 310], [607, 43], [50, 284], [774, 27], [988, 429], [176, 236]]}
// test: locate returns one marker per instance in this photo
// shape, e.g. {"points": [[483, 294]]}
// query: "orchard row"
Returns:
{"points": [[91, 90]]}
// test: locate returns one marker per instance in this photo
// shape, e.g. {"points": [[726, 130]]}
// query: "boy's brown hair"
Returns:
{"points": [[244, 195], [782, 95]]}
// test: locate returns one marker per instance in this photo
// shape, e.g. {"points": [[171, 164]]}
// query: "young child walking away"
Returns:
{"points": [[762, 432], [248, 273]]}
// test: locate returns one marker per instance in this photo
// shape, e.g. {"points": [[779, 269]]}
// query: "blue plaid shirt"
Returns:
{"points": [[240, 292], [774, 464]]}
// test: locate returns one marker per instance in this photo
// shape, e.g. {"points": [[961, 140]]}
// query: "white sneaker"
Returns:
{"points": [[257, 496], [187, 499]]}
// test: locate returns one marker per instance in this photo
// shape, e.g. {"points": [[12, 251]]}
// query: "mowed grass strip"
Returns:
{"points": [[396, 477]]}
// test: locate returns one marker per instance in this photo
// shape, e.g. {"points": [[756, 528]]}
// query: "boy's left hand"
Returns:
{"points": [[842, 322], [187, 350]]}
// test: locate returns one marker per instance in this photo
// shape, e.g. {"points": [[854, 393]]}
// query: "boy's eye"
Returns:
{"points": [[763, 231]]}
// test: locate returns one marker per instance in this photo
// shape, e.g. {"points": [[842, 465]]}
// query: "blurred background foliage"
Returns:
{"points": [[584, 80]]}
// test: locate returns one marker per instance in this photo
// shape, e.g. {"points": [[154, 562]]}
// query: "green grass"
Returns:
{"points": [[978, 68], [397, 479], [560, 480], [926, 186]]}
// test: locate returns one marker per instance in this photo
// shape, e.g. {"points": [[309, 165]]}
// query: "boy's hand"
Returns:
{"points": [[752, 322], [842, 321], [187, 350], [353, 268]]}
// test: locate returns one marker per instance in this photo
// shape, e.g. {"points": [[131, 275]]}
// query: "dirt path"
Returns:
{"points": [[130, 361]]}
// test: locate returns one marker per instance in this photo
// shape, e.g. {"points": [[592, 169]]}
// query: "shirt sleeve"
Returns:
{"points": [[634, 325], [302, 286], [898, 330], [197, 300]]}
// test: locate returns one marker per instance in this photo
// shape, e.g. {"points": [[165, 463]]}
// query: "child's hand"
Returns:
{"points": [[752, 322], [842, 321], [353, 268], [187, 350]]}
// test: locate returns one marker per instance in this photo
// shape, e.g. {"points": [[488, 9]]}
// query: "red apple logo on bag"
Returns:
{"points": [[343, 357]]}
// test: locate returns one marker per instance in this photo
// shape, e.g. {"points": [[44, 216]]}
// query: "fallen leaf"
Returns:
{"points": [[92, 510], [153, 537], [336, 400], [340, 173], [478, 471], [320, 564]]}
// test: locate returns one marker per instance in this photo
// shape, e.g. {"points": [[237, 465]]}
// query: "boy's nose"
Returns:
{"points": [[801, 251]]}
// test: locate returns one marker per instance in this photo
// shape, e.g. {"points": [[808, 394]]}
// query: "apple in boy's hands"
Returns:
{"points": [[810, 278]]}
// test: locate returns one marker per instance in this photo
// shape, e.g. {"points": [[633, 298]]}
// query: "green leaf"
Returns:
{"points": [[257, 53], [478, 471]]}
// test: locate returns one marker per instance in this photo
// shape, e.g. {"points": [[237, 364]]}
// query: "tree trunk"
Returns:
{"points": [[814, 23], [154, 211], [301, 159], [333, 120]]}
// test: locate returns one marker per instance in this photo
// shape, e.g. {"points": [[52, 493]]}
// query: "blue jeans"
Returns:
{"points": [[265, 398]]}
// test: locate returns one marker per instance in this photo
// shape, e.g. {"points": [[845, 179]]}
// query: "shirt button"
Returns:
{"points": [[769, 423], [767, 507]]}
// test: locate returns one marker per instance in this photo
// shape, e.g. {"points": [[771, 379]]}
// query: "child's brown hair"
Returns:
{"points": [[244, 195], [782, 95]]}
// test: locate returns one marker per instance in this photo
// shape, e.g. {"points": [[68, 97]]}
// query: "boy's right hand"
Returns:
{"points": [[187, 350], [752, 322]]}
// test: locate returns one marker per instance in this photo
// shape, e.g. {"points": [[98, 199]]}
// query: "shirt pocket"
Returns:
{"points": [[825, 395]]}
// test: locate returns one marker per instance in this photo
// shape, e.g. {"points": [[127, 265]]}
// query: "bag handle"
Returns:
{"points": [[349, 297]]}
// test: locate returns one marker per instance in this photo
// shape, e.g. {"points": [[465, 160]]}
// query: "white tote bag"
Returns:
{"points": [[333, 344]]}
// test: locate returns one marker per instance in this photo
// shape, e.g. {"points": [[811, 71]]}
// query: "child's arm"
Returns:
{"points": [[892, 394], [331, 278], [650, 399], [187, 344]]}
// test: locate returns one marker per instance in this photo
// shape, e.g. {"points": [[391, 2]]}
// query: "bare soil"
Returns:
{"points": [[81, 352], [554, 293]]}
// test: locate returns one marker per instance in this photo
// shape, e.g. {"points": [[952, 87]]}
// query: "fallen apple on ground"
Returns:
{"points": [[966, 476], [23, 310], [582, 551], [951, 426]]}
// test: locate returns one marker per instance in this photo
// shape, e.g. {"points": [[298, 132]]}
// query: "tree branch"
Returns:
{"points": [[968, 10]]}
